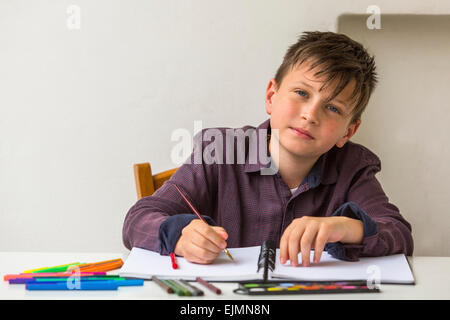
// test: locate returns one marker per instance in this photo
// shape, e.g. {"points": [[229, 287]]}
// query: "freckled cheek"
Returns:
{"points": [[331, 131], [290, 109], [283, 113]]}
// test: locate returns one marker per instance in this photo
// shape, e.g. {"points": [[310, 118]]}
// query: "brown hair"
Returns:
{"points": [[342, 59]]}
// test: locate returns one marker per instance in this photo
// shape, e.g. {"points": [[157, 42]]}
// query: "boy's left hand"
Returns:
{"points": [[307, 232]]}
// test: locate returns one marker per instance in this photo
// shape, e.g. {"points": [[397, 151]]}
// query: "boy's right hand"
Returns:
{"points": [[201, 243]]}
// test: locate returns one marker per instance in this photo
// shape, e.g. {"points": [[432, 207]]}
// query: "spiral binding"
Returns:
{"points": [[266, 258]]}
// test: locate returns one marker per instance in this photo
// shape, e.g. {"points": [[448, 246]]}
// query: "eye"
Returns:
{"points": [[333, 109], [302, 93]]}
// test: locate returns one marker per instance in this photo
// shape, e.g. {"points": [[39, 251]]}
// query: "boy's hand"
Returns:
{"points": [[307, 232], [201, 243]]}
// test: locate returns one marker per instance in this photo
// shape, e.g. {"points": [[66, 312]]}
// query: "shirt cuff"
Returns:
{"points": [[352, 252], [170, 230]]}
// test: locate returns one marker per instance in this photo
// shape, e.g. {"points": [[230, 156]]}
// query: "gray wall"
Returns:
{"points": [[407, 122]]}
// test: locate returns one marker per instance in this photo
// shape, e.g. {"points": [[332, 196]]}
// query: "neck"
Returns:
{"points": [[292, 168]]}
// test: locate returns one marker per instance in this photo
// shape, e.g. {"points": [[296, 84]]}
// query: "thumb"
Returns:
{"points": [[221, 231]]}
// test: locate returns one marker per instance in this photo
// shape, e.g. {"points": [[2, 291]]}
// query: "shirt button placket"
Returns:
{"points": [[287, 214]]}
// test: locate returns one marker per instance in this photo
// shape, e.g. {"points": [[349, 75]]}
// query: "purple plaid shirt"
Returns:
{"points": [[253, 207]]}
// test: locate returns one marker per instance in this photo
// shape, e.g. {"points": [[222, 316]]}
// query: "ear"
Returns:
{"points": [[270, 91], [351, 130]]}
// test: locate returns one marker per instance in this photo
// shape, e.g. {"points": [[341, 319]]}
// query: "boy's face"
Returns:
{"points": [[298, 104]]}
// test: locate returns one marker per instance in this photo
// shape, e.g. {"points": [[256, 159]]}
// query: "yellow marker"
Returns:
{"points": [[43, 269], [275, 289]]}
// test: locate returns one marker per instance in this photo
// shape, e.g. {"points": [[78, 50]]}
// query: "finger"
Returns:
{"points": [[194, 259], [189, 253], [284, 253], [209, 233], [306, 243], [197, 254], [294, 245], [221, 232], [321, 241], [201, 241]]}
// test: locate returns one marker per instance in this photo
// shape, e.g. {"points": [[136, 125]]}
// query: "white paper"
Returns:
{"points": [[389, 269], [144, 264]]}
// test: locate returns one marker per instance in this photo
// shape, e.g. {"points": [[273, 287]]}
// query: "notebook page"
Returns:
{"points": [[143, 263], [389, 269]]}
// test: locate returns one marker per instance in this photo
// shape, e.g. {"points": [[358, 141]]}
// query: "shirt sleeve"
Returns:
{"points": [[198, 182], [386, 232], [370, 227]]}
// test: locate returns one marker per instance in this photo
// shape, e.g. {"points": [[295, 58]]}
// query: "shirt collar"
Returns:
{"points": [[324, 171], [262, 132]]}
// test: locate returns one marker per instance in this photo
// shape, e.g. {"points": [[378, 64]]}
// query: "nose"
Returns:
{"points": [[309, 112]]}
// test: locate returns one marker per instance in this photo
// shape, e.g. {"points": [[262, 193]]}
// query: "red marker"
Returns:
{"points": [[174, 261]]}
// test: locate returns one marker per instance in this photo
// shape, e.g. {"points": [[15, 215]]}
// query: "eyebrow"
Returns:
{"points": [[341, 102], [304, 83]]}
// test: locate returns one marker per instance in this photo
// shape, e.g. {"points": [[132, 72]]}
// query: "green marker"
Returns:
{"points": [[178, 289], [62, 279]]}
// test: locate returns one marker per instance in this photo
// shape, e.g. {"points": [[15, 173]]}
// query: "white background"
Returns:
{"points": [[79, 107]]}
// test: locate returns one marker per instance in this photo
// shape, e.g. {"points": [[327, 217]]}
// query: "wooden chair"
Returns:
{"points": [[146, 182]]}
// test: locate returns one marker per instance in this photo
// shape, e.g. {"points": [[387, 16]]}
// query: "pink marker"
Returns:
{"points": [[53, 274]]}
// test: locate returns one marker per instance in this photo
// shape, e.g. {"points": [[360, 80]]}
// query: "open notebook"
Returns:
{"points": [[389, 269]]}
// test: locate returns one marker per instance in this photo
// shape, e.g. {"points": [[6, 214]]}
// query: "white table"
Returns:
{"points": [[431, 273]]}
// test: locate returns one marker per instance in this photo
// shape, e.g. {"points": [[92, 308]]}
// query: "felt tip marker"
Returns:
{"points": [[174, 261]]}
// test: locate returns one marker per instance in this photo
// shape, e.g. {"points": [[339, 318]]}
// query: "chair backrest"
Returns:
{"points": [[146, 182]]}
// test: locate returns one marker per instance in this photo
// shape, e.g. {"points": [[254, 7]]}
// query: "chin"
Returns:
{"points": [[298, 152]]}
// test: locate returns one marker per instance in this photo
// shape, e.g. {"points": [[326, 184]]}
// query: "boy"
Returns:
{"points": [[323, 194]]}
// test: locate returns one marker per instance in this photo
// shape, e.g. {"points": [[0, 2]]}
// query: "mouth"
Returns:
{"points": [[305, 134]]}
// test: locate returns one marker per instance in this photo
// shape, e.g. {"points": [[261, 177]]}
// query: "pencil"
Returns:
{"points": [[193, 289], [174, 288], [210, 286], [198, 215], [178, 288], [162, 285]]}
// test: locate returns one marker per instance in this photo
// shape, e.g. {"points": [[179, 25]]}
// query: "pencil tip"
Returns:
{"points": [[228, 254]]}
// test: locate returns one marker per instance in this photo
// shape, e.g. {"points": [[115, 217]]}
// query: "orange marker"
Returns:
{"points": [[100, 266], [103, 267]]}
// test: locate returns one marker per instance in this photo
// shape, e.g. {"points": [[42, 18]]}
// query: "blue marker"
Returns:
{"points": [[118, 282], [92, 285], [129, 282]]}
